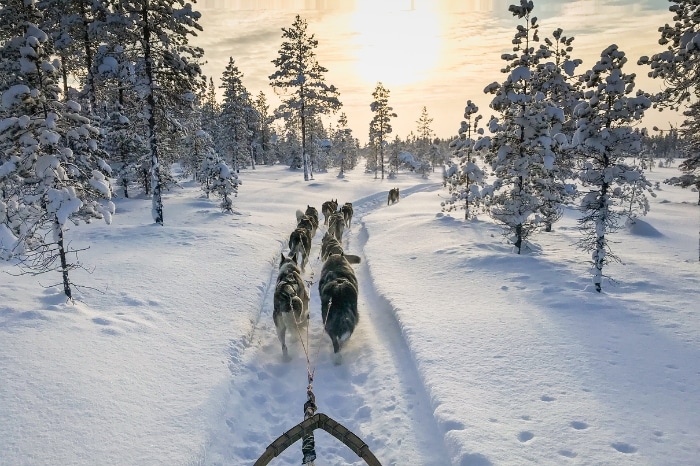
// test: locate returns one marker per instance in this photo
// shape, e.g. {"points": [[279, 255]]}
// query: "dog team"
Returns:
{"points": [[337, 285]]}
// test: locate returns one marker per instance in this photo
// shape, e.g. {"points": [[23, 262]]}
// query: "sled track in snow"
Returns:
{"points": [[376, 392]]}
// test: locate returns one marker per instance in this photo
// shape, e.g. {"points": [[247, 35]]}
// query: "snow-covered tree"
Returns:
{"points": [[524, 139], [298, 70], [604, 137], [380, 126], [679, 68], [51, 166], [345, 148], [168, 74], [263, 132], [235, 115], [464, 177]]}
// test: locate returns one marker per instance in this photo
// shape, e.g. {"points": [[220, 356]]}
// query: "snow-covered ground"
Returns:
{"points": [[465, 353]]}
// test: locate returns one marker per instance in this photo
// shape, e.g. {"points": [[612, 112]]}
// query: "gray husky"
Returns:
{"points": [[336, 225], [330, 245], [291, 302], [338, 290], [300, 243], [328, 208], [347, 211], [393, 196]]}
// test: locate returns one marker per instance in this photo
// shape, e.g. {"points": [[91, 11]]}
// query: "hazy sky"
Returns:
{"points": [[432, 53]]}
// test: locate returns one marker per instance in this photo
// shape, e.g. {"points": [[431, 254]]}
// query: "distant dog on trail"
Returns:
{"points": [[291, 301], [339, 291], [347, 211], [393, 196], [328, 208], [300, 244], [336, 225], [330, 245]]}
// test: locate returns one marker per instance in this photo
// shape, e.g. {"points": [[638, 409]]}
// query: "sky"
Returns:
{"points": [[432, 53], [465, 353]]}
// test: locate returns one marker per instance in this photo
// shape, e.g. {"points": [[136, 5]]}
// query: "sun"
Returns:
{"points": [[397, 42]]}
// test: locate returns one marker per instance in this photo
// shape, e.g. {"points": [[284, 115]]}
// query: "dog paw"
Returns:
{"points": [[337, 359]]}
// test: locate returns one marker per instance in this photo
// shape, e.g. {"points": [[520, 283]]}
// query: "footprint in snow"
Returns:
{"points": [[525, 436], [623, 447]]}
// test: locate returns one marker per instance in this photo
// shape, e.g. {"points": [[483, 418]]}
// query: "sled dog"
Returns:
{"points": [[347, 211], [308, 224], [291, 301], [330, 245], [336, 225], [328, 208], [311, 212], [300, 244], [393, 196], [338, 290]]}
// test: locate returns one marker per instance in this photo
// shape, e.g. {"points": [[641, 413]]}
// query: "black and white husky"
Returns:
{"points": [[338, 290], [291, 301]]}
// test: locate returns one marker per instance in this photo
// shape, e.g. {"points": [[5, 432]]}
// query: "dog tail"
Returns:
{"points": [[299, 215], [352, 258]]}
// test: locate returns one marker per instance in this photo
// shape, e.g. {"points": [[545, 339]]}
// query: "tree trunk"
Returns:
{"points": [[64, 261], [157, 205]]}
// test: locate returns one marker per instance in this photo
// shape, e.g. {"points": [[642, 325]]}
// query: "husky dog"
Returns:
{"points": [[338, 290], [309, 224], [310, 211], [328, 208], [300, 243], [393, 196], [313, 213], [330, 245], [291, 302], [347, 211], [336, 225]]}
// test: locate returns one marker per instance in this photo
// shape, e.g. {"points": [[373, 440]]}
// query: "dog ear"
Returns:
{"points": [[281, 258]]}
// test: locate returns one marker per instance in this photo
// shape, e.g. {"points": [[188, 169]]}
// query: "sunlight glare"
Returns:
{"points": [[397, 41]]}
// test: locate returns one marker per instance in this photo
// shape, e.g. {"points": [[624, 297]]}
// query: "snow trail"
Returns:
{"points": [[361, 393]]}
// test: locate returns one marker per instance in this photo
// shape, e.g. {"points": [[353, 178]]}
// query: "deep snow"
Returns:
{"points": [[466, 353]]}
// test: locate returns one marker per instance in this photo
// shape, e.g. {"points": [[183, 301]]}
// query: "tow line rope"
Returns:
{"points": [[308, 444]]}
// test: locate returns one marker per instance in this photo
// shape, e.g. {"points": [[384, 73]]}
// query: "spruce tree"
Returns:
{"points": [[523, 142], [51, 165], [604, 137]]}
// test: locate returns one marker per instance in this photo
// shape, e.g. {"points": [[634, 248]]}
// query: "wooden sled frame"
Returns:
{"points": [[318, 421]]}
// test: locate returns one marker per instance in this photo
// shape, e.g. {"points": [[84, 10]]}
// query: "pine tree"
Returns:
{"points": [[604, 137], [263, 131], [168, 74], [522, 144], [299, 71], [234, 117], [345, 148], [51, 170], [380, 126], [465, 177], [679, 68]]}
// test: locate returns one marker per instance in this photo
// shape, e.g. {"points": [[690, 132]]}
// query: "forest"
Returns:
{"points": [[102, 98]]}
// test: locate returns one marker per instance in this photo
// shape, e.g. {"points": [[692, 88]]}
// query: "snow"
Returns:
{"points": [[465, 354], [10, 97]]}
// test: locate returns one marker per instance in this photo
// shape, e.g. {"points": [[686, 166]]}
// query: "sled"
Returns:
{"points": [[306, 427]]}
